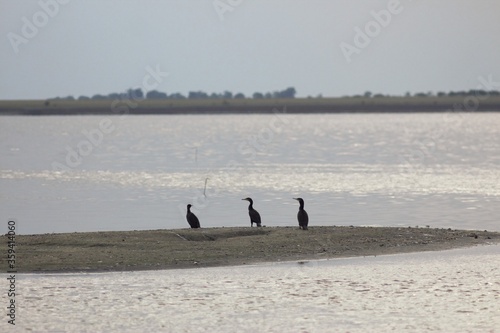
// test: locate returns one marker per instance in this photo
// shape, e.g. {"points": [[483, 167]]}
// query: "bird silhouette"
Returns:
{"points": [[302, 216], [191, 218], [254, 215]]}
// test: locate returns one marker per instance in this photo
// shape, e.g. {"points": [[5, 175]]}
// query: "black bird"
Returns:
{"points": [[191, 218], [302, 215], [254, 215]]}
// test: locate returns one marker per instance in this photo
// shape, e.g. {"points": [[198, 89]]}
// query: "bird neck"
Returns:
{"points": [[250, 206]]}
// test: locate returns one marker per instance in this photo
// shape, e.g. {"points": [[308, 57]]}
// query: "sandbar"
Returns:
{"points": [[208, 247]]}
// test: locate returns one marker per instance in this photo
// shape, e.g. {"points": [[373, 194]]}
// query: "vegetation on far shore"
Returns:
{"points": [[288, 93], [220, 106], [135, 101]]}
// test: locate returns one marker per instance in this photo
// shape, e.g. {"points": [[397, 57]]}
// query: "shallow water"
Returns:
{"points": [[441, 170], [449, 291]]}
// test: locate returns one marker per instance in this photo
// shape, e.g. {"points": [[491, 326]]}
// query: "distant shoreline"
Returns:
{"points": [[207, 247], [250, 106]]}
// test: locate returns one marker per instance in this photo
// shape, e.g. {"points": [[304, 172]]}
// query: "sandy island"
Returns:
{"points": [[184, 248]]}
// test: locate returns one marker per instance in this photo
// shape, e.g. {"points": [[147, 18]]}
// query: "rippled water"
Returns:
{"points": [[440, 170], [451, 291]]}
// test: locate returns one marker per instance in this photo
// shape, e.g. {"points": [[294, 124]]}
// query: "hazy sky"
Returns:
{"points": [[54, 48]]}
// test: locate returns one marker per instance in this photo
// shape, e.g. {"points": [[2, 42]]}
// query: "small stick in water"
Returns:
{"points": [[204, 190]]}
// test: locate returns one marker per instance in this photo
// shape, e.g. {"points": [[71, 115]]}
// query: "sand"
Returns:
{"points": [[187, 248]]}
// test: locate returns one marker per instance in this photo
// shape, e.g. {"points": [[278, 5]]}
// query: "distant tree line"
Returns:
{"points": [[290, 92], [471, 92], [154, 94]]}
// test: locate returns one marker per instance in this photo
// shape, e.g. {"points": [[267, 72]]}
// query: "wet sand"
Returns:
{"points": [[187, 248]]}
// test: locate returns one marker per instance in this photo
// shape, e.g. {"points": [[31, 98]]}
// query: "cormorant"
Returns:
{"points": [[302, 215], [191, 218], [254, 215]]}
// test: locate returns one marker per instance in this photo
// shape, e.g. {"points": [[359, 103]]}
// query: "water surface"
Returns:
{"points": [[450, 291], [140, 172], [440, 170]]}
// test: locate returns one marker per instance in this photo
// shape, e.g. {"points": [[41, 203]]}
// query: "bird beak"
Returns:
{"points": [[295, 199]]}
